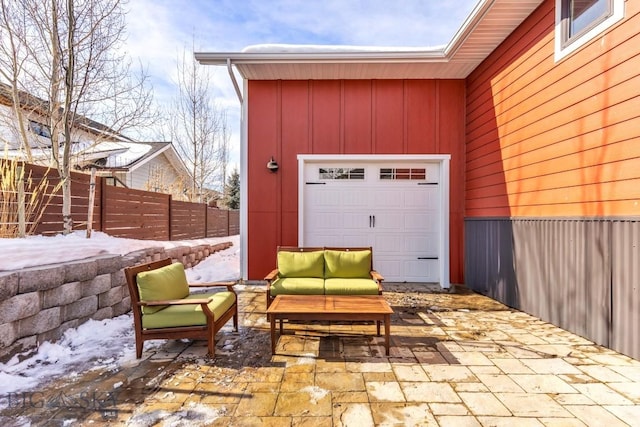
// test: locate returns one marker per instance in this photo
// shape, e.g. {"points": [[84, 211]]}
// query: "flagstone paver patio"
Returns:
{"points": [[456, 360]]}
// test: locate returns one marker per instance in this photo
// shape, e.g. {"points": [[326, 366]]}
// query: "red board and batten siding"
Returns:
{"points": [[549, 139], [287, 118]]}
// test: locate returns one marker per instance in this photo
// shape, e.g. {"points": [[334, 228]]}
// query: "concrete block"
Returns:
{"points": [[118, 279], [111, 297], [109, 264], [8, 334], [19, 307], [97, 285], [79, 271], [79, 309], [122, 307], [62, 295], [40, 278], [103, 313], [43, 321], [8, 284]]}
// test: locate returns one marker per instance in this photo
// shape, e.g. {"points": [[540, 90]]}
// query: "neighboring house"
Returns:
{"points": [[509, 160], [152, 166]]}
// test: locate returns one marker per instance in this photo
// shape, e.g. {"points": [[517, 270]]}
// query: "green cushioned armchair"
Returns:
{"points": [[323, 271], [163, 307]]}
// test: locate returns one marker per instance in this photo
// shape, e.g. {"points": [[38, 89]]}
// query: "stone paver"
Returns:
{"points": [[456, 360]]}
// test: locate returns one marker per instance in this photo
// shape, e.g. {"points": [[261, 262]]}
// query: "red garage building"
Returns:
{"points": [[508, 161]]}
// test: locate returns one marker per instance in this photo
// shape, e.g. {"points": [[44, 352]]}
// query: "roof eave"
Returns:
{"points": [[345, 57]]}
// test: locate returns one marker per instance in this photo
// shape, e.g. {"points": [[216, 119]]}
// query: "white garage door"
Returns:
{"points": [[395, 207]]}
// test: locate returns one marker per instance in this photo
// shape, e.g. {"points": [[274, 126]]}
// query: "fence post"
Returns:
{"points": [[169, 216], [22, 226], [206, 221], [92, 197]]}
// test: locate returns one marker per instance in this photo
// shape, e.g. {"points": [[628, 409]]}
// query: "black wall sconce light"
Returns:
{"points": [[272, 165]]}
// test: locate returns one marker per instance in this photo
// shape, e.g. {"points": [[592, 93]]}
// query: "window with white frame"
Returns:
{"points": [[579, 21]]}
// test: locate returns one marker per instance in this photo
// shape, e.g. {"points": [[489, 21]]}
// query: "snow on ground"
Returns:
{"points": [[42, 250], [94, 344]]}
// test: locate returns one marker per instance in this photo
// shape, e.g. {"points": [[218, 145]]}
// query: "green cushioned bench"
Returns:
{"points": [[323, 271]]}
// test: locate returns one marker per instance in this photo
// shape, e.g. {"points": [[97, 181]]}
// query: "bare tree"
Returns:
{"points": [[69, 53], [199, 127]]}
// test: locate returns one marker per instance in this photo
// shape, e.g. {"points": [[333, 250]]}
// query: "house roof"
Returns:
{"points": [[41, 107], [128, 156], [490, 22], [114, 152]]}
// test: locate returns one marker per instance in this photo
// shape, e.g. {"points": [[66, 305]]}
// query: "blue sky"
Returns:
{"points": [[158, 31]]}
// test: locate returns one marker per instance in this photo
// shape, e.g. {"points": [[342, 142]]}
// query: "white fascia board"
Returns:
{"points": [[148, 158], [311, 158], [346, 57]]}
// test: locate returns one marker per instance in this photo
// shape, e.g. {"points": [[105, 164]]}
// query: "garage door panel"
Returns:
{"points": [[320, 239], [324, 221], [321, 199], [420, 198], [352, 198], [386, 243], [391, 269], [421, 270], [357, 240], [423, 221], [388, 199], [383, 221], [420, 245], [354, 221]]}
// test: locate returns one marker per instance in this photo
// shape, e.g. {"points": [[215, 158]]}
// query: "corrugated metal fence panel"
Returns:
{"points": [[626, 287], [489, 265], [561, 271]]}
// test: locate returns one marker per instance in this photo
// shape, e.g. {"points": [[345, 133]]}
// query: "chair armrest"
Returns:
{"points": [[211, 284], [228, 285], [376, 276], [274, 274], [176, 302]]}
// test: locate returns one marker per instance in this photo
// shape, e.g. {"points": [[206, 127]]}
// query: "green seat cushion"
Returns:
{"points": [[301, 264], [164, 283], [350, 287], [189, 315], [347, 264], [297, 286]]}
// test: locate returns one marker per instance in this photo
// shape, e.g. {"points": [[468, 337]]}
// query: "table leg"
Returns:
{"points": [[378, 327], [387, 331], [272, 319]]}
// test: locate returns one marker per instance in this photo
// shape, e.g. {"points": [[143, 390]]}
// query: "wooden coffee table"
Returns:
{"points": [[330, 307]]}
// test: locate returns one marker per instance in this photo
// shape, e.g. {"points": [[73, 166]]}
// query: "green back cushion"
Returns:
{"points": [[347, 263], [301, 264], [164, 283]]}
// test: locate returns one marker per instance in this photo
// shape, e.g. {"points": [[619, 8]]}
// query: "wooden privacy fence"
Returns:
{"points": [[129, 213]]}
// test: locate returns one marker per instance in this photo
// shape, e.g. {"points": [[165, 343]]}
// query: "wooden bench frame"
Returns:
{"points": [[197, 332], [273, 275]]}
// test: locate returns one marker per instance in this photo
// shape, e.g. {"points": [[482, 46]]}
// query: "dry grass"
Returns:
{"points": [[37, 195]]}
